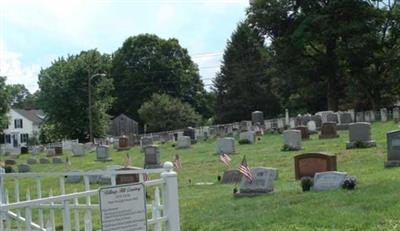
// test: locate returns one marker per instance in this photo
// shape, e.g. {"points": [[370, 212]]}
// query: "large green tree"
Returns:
{"points": [[310, 41], [163, 113], [21, 97], [147, 64], [244, 83], [64, 91], [4, 104]]}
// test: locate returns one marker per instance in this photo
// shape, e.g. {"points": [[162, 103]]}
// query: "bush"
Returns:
{"points": [[350, 183], [8, 169], [306, 183], [245, 141], [163, 113]]}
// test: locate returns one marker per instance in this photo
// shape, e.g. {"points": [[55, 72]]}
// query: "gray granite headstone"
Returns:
{"points": [[152, 157], [226, 145], [262, 183], [146, 141], [317, 119], [393, 149], [31, 161], [328, 180], [57, 160], [74, 179], [78, 149], [183, 142], [396, 114], [44, 161], [384, 114], [292, 140], [102, 153], [231, 176], [312, 127], [332, 117], [257, 117], [249, 136], [360, 135], [24, 168]]}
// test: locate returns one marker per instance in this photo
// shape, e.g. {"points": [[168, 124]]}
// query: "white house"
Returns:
{"points": [[23, 125]]}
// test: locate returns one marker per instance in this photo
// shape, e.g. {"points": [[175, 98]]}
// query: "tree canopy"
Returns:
{"points": [[147, 64], [163, 113], [20, 97], [4, 104], [64, 95]]}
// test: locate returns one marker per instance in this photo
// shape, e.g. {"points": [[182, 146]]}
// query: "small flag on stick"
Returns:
{"points": [[177, 162], [245, 170], [225, 159]]}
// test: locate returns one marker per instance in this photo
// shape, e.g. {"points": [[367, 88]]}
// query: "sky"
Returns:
{"points": [[33, 33]]}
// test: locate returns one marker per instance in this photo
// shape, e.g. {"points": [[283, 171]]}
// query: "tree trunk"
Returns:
{"points": [[331, 72]]}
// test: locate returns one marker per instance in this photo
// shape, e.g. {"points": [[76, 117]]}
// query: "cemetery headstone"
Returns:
{"points": [[317, 119], [396, 114], [332, 117], [183, 142], [308, 164], [247, 137], [360, 136], [328, 131], [393, 149], [360, 117], [58, 151], [24, 150], [146, 141], [51, 152], [312, 127], [152, 157], [73, 179], [304, 132], [291, 140], [10, 162], [262, 183], [78, 149], [127, 178], [123, 143], [328, 180], [31, 161], [384, 115], [231, 176], [57, 160], [226, 146], [324, 115], [102, 153], [44, 161], [257, 117], [23, 168], [190, 132]]}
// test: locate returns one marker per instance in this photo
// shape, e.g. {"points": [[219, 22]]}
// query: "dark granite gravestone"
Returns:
{"points": [[393, 149], [304, 132], [257, 117], [31, 161], [24, 150], [127, 178], [23, 168], [58, 151], [328, 131], [310, 163], [231, 176], [261, 184], [44, 161], [152, 157], [189, 131], [360, 136], [332, 117]]}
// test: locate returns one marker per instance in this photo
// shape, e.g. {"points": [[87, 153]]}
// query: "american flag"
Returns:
{"points": [[225, 159], [177, 162], [127, 161], [245, 170], [68, 163]]}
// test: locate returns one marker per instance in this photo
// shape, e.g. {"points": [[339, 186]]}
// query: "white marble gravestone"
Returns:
{"points": [[292, 139], [78, 149], [312, 127], [328, 180], [250, 136]]}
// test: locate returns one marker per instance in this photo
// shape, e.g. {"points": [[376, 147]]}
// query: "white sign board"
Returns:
{"points": [[123, 208]]}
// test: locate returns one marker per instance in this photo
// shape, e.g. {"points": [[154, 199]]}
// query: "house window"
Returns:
{"points": [[8, 139], [18, 123], [24, 138]]}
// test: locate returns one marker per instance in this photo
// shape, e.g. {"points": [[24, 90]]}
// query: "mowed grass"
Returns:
{"points": [[374, 205]]}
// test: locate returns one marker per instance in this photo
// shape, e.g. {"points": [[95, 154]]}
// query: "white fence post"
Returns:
{"points": [[171, 197]]}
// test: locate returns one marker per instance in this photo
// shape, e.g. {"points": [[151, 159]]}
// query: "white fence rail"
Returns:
{"points": [[66, 210]]}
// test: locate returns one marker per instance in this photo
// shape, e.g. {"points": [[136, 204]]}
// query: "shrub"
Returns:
{"points": [[350, 183], [306, 183]]}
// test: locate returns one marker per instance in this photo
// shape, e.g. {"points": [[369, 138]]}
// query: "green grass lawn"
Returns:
{"points": [[374, 205]]}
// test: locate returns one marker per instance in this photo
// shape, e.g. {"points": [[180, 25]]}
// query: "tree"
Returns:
{"points": [[163, 113], [21, 97], [310, 40], [64, 95], [4, 104], [244, 84], [147, 64]]}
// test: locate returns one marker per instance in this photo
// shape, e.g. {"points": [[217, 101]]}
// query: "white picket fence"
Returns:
{"points": [[66, 209]]}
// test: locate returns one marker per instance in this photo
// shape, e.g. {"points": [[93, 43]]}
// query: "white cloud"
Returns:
{"points": [[12, 68]]}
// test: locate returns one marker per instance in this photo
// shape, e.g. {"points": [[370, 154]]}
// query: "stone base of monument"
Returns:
{"points": [[342, 127], [251, 194], [328, 136], [392, 163], [361, 144], [150, 166], [122, 148]]}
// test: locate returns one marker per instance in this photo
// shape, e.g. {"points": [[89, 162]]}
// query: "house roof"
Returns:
{"points": [[123, 116], [36, 116]]}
